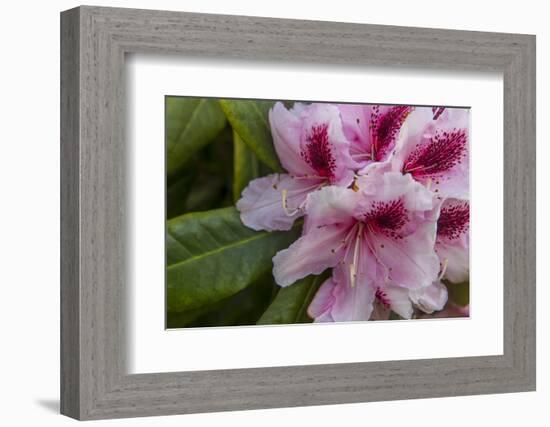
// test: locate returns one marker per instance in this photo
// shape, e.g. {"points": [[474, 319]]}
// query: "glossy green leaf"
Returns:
{"points": [[206, 181], [249, 118], [246, 166], [178, 191], [212, 255], [243, 308], [291, 303], [191, 123], [459, 293]]}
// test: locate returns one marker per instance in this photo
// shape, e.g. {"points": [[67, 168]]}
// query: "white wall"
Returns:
{"points": [[29, 229]]}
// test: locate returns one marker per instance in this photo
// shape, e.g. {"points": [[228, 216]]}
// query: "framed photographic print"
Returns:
{"points": [[378, 193], [261, 213]]}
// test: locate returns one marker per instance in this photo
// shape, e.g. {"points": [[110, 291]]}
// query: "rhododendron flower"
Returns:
{"points": [[453, 239], [313, 149], [387, 297], [379, 238], [373, 130], [332, 302], [430, 298], [435, 151]]}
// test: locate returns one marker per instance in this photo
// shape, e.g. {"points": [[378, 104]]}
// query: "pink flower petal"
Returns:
{"points": [[430, 298], [401, 228], [351, 303], [330, 205], [452, 244], [261, 204], [314, 252], [380, 185], [410, 261], [321, 305], [353, 293], [324, 146], [436, 152], [373, 130], [399, 301], [286, 129], [457, 262], [336, 301], [389, 297], [355, 125]]}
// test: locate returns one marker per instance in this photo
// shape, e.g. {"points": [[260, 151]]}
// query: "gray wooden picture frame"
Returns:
{"points": [[94, 382]]}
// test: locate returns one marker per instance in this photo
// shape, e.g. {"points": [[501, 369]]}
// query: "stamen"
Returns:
{"points": [[284, 193], [344, 242], [353, 266], [443, 268], [309, 177], [305, 189], [354, 186], [374, 252], [365, 156]]}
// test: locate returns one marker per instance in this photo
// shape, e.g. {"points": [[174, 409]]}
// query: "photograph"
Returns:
{"points": [[291, 212], [280, 210]]}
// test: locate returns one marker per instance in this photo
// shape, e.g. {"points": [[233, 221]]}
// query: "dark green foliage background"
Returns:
{"points": [[218, 271]]}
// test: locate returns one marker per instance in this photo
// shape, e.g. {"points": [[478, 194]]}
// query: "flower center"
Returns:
{"points": [[386, 217], [385, 128], [318, 153], [383, 217], [454, 220], [444, 151]]}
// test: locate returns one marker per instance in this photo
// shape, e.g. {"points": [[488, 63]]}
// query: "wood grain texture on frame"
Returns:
{"points": [[94, 381]]}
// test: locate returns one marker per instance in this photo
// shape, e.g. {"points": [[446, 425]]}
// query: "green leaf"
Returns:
{"points": [[212, 255], [206, 182], [291, 303], [459, 293], [178, 191], [191, 123], [243, 308], [249, 118], [205, 195], [394, 316], [245, 166]]}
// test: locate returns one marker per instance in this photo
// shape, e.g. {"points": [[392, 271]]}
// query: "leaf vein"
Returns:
{"points": [[218, 250]]}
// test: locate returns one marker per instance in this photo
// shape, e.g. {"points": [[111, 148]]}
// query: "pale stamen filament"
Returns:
{"points": [[429, 183], [443, 268], [414, 169], [353, 266], [303, 190], [367, 156], [421, 167], [350, 234], [309, 177], [284, 196], [354, 185], [288, 212], [374, 252]]}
